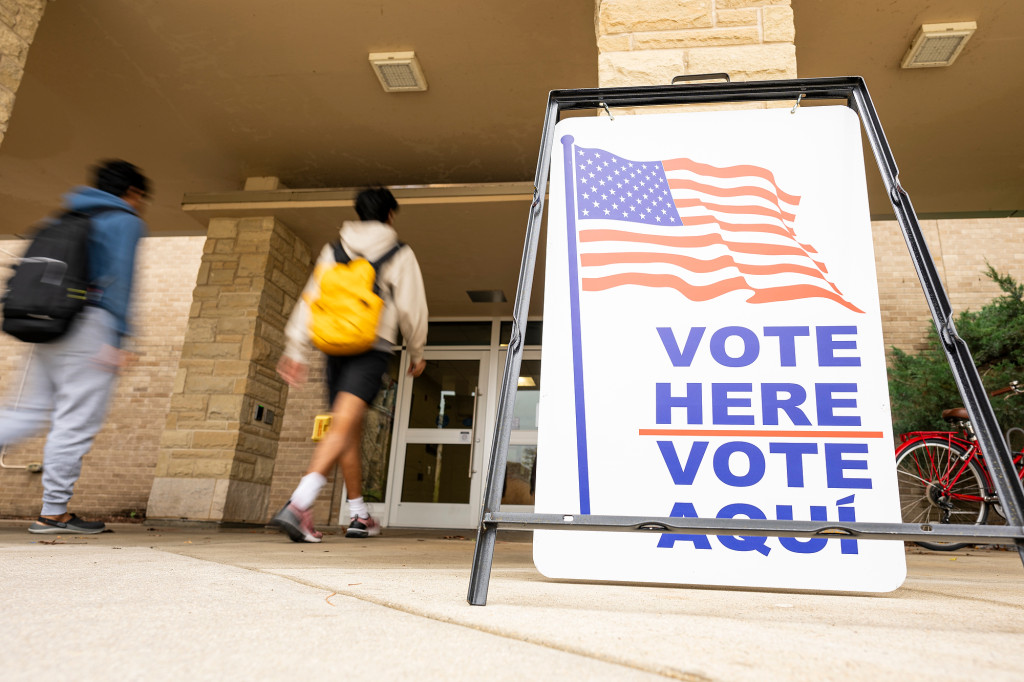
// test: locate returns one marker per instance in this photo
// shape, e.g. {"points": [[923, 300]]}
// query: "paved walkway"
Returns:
{"points": [[186, 603]]}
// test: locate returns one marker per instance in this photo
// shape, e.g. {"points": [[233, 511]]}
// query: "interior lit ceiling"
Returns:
{"points": [[204, 94]]}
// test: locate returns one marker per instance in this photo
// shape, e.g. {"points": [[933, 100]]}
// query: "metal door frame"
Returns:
{"points": [[479, 435], [854, 92]]}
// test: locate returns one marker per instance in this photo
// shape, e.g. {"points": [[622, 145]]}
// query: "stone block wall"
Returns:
{"points": [[19, 20], [217, 461], [118, 473], [648, 42]]}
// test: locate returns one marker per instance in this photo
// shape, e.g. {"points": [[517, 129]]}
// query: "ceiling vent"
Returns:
{"points": [[398, 71], [938, 44]]}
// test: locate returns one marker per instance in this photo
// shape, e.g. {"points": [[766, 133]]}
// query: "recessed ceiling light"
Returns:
{"points": [[398, 71], [487, 296], [938, 44]]}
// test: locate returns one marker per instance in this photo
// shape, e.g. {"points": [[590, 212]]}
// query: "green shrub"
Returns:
{"points": [[921, 386]]}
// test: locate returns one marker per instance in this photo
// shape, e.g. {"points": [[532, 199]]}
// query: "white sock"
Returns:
{"points": [[358, 508], [307, 490]]}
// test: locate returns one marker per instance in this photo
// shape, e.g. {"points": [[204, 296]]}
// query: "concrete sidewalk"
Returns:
{"points": [[186, 603]]}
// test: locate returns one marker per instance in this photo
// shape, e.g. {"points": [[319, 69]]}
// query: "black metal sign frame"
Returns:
{"points": [[994, 448]]}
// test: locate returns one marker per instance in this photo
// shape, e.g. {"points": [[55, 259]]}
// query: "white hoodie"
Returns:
{"points": [[400, 283]]}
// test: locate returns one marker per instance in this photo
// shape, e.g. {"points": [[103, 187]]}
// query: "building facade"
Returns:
{"points": [[203, 430]]}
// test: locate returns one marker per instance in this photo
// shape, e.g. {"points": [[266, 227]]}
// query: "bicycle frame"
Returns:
{"points": [[970, 447]]}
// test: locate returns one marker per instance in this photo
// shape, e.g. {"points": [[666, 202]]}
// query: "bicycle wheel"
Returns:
{"points": [[939, 483]]}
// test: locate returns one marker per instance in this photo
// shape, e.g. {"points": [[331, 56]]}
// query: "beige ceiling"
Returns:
{"points": [[203, 94], [955, 132]]}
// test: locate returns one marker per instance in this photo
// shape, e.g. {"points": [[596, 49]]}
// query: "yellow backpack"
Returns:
{"points": [[344, 318]]}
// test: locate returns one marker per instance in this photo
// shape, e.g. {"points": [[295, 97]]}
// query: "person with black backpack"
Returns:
{"points": [[366, 287], [87, 256]]}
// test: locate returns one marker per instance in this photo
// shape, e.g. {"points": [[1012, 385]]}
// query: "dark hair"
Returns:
{"points": [[375, 203], [117, 177]]}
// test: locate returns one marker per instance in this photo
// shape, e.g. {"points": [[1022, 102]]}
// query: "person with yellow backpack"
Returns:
{"points": [[365, 289]]}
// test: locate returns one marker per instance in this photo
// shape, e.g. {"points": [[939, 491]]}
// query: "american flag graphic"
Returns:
{"points": [[702, 230]]}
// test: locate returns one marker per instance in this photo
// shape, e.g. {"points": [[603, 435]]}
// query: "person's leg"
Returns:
{"points": [[361, 524], [351, 462], [364, 382], [83, 391], [341, 442], [353, 382], [31, 405], [296, 519]]}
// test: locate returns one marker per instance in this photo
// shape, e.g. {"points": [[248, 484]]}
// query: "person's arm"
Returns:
{"points": [[410, 299], [292, 366], [120, 246]]}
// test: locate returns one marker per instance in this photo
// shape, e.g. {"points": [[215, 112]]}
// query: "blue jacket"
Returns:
{"points": [[112, 245]]}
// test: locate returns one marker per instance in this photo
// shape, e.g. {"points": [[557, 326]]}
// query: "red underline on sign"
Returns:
{"points": [[761, 433]]}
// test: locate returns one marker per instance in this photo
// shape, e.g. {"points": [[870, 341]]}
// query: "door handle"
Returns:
{"points": [[472, 435]]}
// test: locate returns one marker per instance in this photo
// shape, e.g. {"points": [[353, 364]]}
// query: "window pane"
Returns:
{"points": [[436, 472], [520, 479], [377, 427], [524, 412], [443, 396], [459, 334], [534, 328]]}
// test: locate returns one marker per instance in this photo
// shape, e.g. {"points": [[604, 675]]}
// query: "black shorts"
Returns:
{"points": [[360, 375]]}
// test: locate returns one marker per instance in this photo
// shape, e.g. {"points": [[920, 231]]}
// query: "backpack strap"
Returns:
{"points": [[387, 256], [339, 253], [342, 257]]}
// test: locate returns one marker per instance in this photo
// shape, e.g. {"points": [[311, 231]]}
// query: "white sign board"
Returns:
{"points": [[713, 349]]}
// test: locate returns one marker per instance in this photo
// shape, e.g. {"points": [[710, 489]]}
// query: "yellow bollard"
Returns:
{"points": [[321, 423]]}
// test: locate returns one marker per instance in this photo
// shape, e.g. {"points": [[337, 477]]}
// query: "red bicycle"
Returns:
{"points": [[943, 477]]}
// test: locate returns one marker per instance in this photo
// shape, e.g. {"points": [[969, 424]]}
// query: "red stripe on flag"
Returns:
{"points": [[694, 241], [710, 291], [739, 210], [798, 291], [743, 191], [729, 173], [766, 228], [696, 264]]}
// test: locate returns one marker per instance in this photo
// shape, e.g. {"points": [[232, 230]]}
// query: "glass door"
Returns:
{"points": [[435, 481], [517, 493]]}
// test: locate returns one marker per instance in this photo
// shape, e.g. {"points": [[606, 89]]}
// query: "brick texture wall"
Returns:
{"points": [[118, 472], [960, 249]]}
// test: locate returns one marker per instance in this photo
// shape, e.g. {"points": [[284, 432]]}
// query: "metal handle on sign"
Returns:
{"points": [[472, 433], [702, 77]]}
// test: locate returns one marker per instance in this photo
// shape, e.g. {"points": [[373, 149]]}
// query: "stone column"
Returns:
{"points": [[19, 20], [648, 42], [216, 459]]}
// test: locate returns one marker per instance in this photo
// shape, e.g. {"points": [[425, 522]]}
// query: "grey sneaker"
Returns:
{"points": [[72, 525], [296, 523]]}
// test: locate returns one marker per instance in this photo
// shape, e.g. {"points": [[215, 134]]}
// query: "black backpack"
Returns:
{"points": [[50, 285]]}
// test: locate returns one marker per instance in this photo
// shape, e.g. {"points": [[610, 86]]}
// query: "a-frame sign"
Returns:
{"points": [[744, 341]]}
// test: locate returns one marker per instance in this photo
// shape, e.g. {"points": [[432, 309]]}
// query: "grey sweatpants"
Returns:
{"points": [[66, 387]]}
